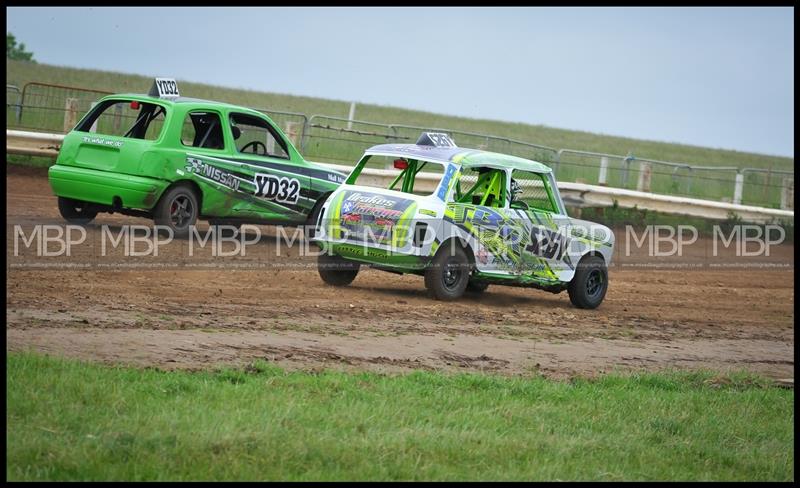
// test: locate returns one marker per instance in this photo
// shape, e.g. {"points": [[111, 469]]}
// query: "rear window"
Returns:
{"points": [[413, 176], [125, 118]]}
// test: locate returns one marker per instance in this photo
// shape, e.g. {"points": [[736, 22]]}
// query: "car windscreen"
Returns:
{"points": [[405, 175], [125, 118]]}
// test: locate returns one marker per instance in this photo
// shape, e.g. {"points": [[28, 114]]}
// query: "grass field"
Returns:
{"points": [[68, 420]]}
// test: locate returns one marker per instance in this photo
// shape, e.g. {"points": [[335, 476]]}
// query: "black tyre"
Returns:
{"points": [[447, 276], [335, 270], [178, 210], [477, 286], [590, 283], [76, 211]]}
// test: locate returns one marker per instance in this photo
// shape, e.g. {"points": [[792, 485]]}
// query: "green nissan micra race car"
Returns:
{"points": [[462, 218], [176, 159]]}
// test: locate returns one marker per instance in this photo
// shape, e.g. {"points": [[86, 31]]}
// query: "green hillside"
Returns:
{"points": [[18, 73]]}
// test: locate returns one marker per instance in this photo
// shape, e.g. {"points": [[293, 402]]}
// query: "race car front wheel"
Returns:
{"points": [[447, 276], [311, 221], [590, 283], [335, 270], [178, 210], [75, 211]]}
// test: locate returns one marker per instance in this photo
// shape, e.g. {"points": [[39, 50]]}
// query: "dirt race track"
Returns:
{"points": [[172, 311]]}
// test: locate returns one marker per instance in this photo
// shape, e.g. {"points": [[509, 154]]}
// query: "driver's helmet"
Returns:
{"points": [[515, 189]]}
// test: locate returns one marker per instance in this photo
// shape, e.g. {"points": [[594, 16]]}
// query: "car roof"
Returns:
{"points": [[144, 98], [467, 158]]}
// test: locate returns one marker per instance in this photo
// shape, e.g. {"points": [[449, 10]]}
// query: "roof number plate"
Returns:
{"points": [[164, 88], [437, 139]]}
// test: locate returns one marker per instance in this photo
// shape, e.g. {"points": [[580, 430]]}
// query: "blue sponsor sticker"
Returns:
{"points": [[445, 184]]}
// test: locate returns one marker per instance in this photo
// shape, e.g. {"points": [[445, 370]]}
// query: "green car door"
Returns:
{"points": [[247, 170]]}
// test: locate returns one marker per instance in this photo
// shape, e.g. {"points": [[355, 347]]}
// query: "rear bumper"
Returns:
{"points": [[402, 262], [103, 187]]}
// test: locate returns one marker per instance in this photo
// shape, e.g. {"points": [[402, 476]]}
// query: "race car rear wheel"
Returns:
{"points": [[336, 270], [178, 210], [590, 283], [76, 211], [447, 276]]}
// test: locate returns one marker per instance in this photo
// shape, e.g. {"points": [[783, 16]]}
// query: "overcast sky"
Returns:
{"points": [[719, 77]]}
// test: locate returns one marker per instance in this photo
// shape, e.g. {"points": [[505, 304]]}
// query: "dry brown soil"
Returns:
{"points": [[176, 311]]}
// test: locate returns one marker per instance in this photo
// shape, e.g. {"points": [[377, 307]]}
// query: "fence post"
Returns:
{"points": [[22, 102], [303, 133], [737, 190], [291, 131], [351, 116], [557, 163], [603, 179], [306, 128], [117, 117], [626, 163], [645, 174], [395, 136], [787, 194], [94, 124], [765, 191], [71, 114], [17, 106]]}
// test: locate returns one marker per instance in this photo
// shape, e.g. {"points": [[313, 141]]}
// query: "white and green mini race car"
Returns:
{"points": [[463, 219]]}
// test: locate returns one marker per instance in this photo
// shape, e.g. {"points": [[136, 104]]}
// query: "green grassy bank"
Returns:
{"points": [[68, 420]]}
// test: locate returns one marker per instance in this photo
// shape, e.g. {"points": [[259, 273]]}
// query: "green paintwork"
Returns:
{"points": [[372, 255], [102, 169]]}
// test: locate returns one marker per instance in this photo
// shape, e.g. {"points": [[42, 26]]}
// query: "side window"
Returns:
{"points": [[481, 186], [202, 129], [530, 190], [253, 135], [125, 118]]}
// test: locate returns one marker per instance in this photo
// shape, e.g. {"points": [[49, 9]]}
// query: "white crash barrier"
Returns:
{"points": [[579, 194]]}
